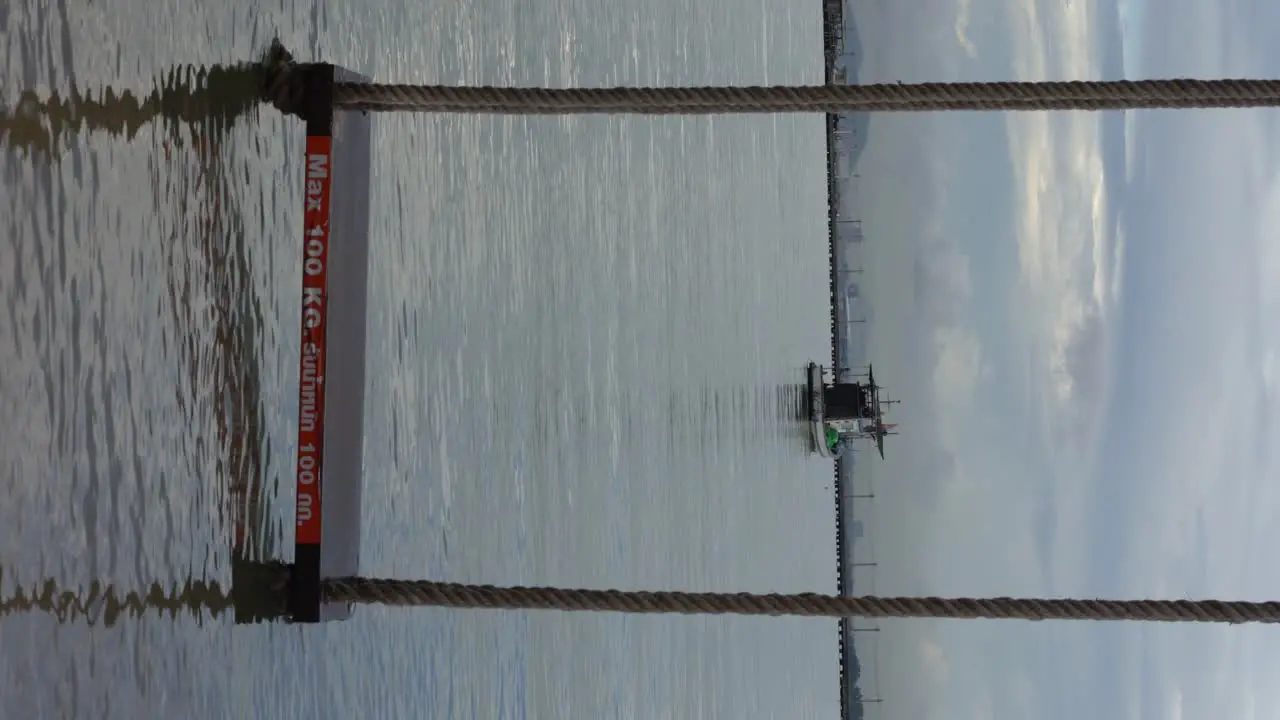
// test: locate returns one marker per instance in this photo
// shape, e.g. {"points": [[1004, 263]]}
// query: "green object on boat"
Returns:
{"points": [[833, 437]]}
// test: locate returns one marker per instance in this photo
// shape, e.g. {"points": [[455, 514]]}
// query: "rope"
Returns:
{"points": [[923, 97], [283, 87], [259, 590], [422, 593]]}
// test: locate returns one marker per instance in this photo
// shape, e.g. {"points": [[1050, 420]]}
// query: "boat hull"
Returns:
{"points": [[817, 418]]}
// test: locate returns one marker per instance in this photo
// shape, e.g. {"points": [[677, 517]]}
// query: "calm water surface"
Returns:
{"points": [[584, 337]]}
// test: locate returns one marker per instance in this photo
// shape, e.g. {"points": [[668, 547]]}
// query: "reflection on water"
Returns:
{"points": [[99, 603], [258, 591], [131, 337], [200, 101], [201, 264]]}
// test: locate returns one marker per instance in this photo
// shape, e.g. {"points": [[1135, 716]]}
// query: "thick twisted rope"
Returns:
{"points": [[922, 97], [422, 593], [261, 589], [283, 87]]}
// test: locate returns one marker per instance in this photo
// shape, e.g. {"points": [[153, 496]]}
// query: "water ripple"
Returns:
{"points": [[584, 339]]}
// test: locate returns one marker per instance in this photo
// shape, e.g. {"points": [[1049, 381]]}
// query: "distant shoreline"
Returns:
{"points": [[842, 55]]}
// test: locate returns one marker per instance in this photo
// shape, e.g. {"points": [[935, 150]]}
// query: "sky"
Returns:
{"points": [[1075, 310]]}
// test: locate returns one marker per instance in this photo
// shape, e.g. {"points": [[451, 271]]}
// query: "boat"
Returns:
{"points": [[865, 421], [824, 433]]}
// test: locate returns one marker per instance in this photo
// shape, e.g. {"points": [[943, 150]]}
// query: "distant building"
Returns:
{"points": [[855, 529]]}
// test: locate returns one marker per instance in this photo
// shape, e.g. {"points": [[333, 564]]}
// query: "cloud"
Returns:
{"points": [[955, 377], [963, 10], [1093, 356], [1066, 243], [942, 281], [1081, 382], [934, 660]]}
